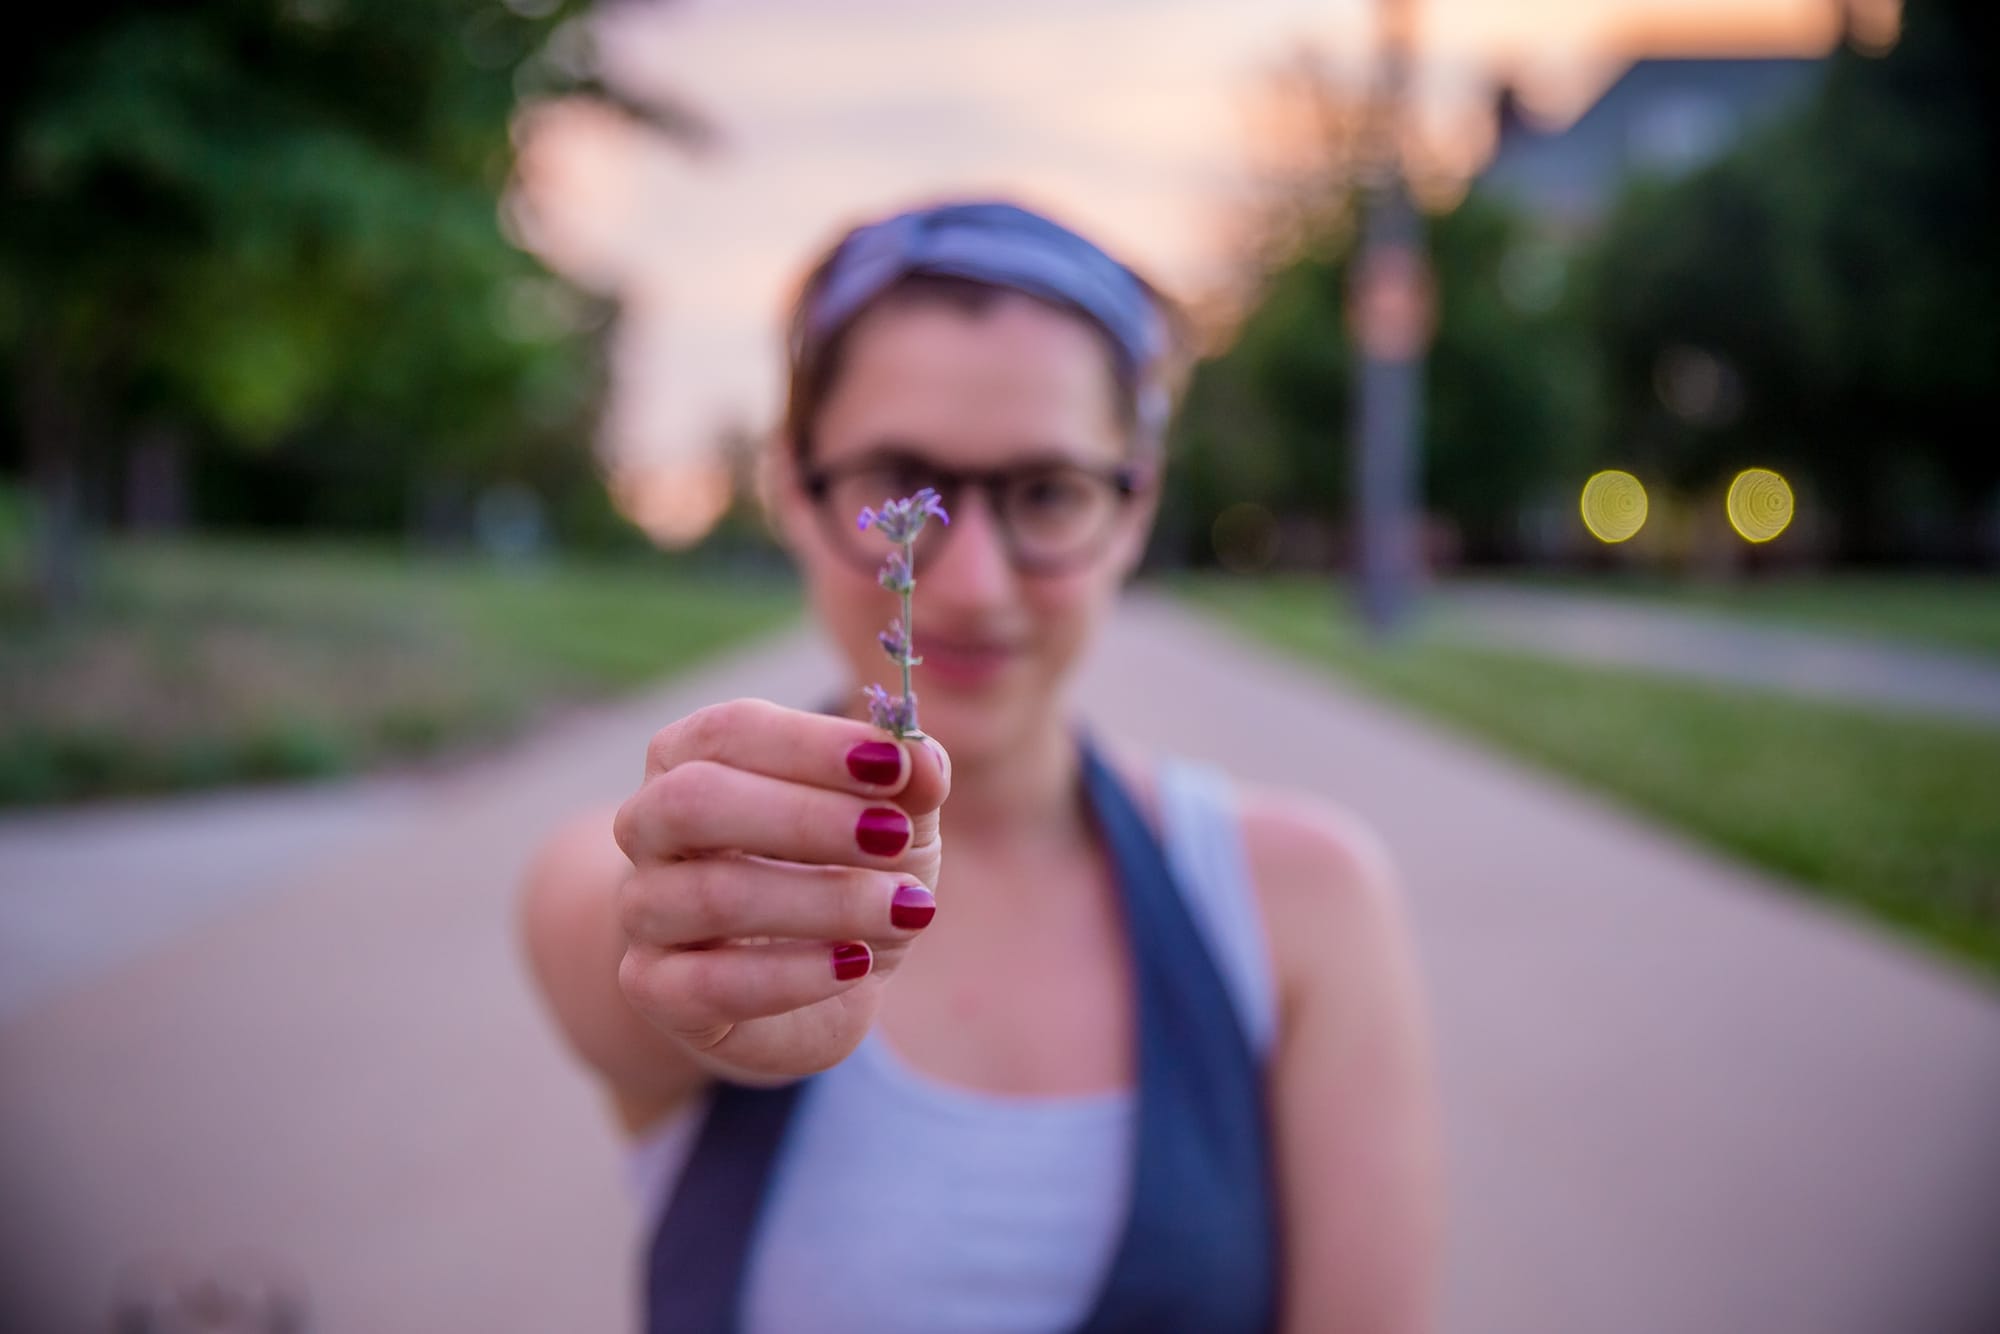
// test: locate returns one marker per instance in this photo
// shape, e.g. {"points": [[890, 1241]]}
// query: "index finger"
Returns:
{"points": [[812, 748]]}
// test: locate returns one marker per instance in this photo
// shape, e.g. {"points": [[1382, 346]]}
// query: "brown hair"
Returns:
{"points": [[815, 364]]}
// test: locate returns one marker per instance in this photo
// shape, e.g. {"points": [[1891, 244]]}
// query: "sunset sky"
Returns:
{"points": [[1130, 119]]}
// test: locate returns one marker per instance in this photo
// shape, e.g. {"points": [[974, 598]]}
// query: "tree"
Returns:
{"points": [[1823, 298], [1268, 418], [250, 222]]}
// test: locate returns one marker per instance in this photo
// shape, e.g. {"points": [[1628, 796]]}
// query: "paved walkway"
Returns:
{"points": [[1678, 1098], [1879, 673], [89, 887]]}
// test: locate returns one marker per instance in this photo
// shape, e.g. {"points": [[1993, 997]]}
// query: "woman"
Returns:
{"points": [[1146, 1050]]}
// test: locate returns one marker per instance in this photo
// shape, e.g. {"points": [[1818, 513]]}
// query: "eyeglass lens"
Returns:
{"points": [[1049, 513]]}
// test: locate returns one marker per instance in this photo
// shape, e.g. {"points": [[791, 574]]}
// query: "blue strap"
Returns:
{"points": [[1200, 1247], [1199, 1250], [701, 1249]]}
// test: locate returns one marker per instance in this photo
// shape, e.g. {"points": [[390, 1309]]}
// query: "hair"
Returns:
{"points": [[1143, 395]]}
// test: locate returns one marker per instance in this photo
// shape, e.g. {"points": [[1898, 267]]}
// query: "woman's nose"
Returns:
{"points": [[970, 562]]}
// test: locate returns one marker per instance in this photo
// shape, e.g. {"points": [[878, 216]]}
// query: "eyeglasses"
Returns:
{"points": [[1053, 515]]}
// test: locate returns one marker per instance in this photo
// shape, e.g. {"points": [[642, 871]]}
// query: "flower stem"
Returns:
{"points": [[909, 617]]}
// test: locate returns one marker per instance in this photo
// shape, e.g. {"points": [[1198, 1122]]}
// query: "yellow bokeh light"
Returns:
{"points": [[1614, 505], [1759, 504]]}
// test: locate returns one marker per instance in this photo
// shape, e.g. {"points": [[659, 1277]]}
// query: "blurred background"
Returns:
{"points": [[1595, 401]]}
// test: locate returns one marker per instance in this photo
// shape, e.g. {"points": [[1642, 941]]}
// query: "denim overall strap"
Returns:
{"points": [[1200, 1248], [701, 1248]]}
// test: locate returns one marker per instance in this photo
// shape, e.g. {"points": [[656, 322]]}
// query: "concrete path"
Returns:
{"points": [[1678, 1098], [90, 887], [1879, 673]]}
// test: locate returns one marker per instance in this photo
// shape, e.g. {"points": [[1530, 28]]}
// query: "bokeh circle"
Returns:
{"points": [[1759, 505], [1614, 505]]}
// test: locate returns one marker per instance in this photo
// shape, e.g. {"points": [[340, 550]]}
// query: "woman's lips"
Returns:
{"points": [[960, 662]]}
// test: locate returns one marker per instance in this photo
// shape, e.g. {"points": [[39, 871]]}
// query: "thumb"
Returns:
{"points": [[922, 799], [930, 777]]}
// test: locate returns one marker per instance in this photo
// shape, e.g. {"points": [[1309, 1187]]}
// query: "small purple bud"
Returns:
{"points": [[895, 575], [881, 708], [893, 641]]}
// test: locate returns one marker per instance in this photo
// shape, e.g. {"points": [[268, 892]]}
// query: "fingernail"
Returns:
{"points": [[878, 762], [912, 907], [851, 961], [882, 830]]}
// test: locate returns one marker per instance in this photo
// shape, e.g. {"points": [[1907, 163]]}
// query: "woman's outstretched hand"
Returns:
{"points": [[782, 864]]}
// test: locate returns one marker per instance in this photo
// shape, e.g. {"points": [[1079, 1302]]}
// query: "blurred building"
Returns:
{"points": [[1662, 116]]}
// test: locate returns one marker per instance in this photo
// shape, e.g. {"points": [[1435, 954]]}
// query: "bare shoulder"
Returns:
{"points": [[575, 855], [1331, 898], [1311, 859], [1332, 903], [564, 892], [580, 844], [1354, 1033], [1307, 844]]}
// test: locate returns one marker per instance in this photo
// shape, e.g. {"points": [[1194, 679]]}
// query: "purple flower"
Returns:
{"points": [[892, 713], [901, 520], [895, 575], [897, 644]]}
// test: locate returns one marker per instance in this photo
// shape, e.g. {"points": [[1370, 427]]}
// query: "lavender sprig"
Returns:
{"points": [[900, 521]]}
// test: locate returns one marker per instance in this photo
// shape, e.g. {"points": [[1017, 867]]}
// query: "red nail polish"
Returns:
{"points": [[882, 830], [851, 961], [912, 907], [878, 762]]}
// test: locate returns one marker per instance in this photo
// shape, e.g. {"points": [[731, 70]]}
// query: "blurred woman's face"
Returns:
{"points": [[1019, 386]]}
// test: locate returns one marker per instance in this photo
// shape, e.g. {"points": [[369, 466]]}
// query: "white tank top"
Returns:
{"points": [[903, 1203]]}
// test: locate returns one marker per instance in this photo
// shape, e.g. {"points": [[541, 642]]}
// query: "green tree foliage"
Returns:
{"points": [[1263, 421], [1824, 298], [1508, 395], [1269, 419], [272, 225]]}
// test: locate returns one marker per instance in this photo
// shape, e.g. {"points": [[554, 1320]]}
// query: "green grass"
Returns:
{"points": [[1960, 612], [195, 663], [1895, 816]]}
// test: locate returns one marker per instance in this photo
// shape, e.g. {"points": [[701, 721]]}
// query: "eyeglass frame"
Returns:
{"points": [[1127, 480]]}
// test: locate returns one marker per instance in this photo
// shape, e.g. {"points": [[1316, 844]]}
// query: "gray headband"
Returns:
{"points": [[998, 243]]}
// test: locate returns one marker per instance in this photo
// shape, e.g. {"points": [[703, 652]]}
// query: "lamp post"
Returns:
{"points": [[1391, 310]]}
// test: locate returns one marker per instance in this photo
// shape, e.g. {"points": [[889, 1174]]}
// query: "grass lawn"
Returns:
{"points": [[1895, 816], [205, 662], [1960, 612]]}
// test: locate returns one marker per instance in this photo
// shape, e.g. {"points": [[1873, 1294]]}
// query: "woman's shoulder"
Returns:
{"points": [[1329, 891], [1323, 879], [1307, 853], [1303, 847], [1307, 848]]}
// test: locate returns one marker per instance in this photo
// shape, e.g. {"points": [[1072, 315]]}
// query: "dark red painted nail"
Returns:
{"points": [[878, 762], [851, 961], [912, 907], [882, 830]]}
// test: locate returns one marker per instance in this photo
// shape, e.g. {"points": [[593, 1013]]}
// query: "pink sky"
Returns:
{"points": [[1127, 118]]}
